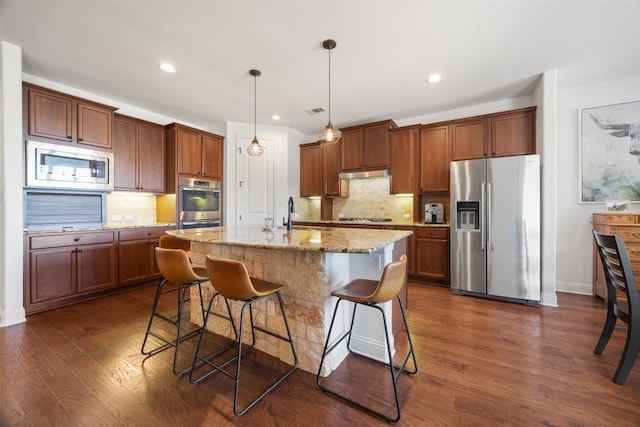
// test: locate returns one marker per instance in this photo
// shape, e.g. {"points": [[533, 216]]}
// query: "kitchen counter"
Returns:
{"points": [[97, 228], [368, 223], [311, 262]]}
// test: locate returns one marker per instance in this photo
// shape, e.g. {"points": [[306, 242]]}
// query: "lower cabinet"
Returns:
{"points": [[432, 254], [60, 268], [136, 255], [64, 268]]}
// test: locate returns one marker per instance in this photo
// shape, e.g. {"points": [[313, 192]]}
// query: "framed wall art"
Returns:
{"points": [[610, 152]]}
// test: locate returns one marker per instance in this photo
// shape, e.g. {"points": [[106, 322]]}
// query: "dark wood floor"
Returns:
{"points": [[482, 363]]}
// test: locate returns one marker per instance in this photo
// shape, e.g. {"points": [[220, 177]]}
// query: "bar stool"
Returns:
{"points": [[370, 293], [231, 280], [176, 270]]}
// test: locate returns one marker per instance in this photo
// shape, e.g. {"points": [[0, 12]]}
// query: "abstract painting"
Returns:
{"points": [[610, 152]]}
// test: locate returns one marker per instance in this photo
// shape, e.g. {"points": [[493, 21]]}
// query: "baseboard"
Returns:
{"points": [[575, 288], [12, 317]]}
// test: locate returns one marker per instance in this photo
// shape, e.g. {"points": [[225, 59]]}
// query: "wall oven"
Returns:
{"points": [[67, 167], [199, 203]]}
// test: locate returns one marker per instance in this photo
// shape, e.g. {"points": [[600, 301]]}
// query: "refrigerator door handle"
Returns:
{"points": [[482, 213], [488, 213]]}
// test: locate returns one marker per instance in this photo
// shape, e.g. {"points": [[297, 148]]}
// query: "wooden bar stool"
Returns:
{"points": [[370, 293], [177, 276], [231, 280]]}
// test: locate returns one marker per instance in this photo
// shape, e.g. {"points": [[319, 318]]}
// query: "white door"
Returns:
{"points": [[254, 183]]}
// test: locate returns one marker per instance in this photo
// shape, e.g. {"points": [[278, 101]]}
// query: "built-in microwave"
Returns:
{"points": [[67, 167]]}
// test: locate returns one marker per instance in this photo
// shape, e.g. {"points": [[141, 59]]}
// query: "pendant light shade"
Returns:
{"points": [[255, 149], [330, 135]]}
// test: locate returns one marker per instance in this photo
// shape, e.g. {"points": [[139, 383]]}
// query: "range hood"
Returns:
{"points": [[380, 173]]}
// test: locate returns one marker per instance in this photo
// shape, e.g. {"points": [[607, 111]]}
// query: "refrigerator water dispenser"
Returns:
{"points": [[468, 215]]}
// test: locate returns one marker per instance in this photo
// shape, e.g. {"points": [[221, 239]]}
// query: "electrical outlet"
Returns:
{"points": [[271, 308], [128, 218], [116, 217], [406, 216]]}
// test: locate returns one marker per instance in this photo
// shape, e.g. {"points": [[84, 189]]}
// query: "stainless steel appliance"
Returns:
{"points": [[199, 203], [495, 228], [434, 213], [68, 167]]}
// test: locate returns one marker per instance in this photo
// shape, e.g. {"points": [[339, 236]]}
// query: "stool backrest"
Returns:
{"points": [[174, 265], [392, 280], [230, 278], [171, 242]]}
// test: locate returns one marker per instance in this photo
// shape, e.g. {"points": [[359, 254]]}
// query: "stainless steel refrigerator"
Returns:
{"points": [[496, 229]]}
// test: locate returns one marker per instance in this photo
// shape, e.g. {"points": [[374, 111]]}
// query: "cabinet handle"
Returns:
{"points": [[76, 239], [69, 137], [80, 139], [78, 251]]}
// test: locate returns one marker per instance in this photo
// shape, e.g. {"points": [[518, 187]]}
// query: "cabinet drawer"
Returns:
{"points": [[70, 239], [141, 233], [629, 234], [615, 218], [432, 232]]}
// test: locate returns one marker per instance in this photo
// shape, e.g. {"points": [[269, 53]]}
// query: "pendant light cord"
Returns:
{"points": [[329, 85], [255, 105]]}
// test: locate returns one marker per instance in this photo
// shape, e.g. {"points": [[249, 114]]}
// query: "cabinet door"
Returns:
{"points": [[432, 254], [310, 170], [212, 157], [375, 147], [331, 162], [125, 136], [50, 116], [151, 158], [189, 148], [352, 149], [154, 271], [434, 159], [513, 134], [134, 261], [52, 274], [402, 148], [96, 267], [469, 140], [95, 125]]}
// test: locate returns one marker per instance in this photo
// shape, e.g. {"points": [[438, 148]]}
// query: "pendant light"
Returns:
{"points": [[255, 149], [330, 135]]}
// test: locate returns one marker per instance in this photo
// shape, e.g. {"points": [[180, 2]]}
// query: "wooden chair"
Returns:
{"points": [[622, 301], [177, 276], [231, 280], [371, 293]]}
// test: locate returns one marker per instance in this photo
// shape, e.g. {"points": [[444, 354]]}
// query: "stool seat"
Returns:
{"points": [[370, 293], [175, 268], [231, 280]]}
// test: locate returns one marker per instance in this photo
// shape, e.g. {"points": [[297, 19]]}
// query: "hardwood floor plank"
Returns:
{"points": [[482, 362]]}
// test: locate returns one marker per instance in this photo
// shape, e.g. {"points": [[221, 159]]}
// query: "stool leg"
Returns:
{"points": [[153, 314], [179, 337]]}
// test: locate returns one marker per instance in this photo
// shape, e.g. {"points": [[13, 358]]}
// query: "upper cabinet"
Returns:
{"points": [[311, 176], [510, 133], [193, 153], [403, 144], [53, 115], [139, 155], [366, 147], [434, 158], [333, 185]]}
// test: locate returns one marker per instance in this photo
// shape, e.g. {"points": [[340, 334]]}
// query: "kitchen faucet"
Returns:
{"points": [[290, 210]]}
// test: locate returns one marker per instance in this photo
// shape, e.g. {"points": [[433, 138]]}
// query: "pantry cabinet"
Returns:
{"points": [[139, 155], [52, 115]]}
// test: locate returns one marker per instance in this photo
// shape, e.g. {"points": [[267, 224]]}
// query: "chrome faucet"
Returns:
{"points": [[290, 210]]}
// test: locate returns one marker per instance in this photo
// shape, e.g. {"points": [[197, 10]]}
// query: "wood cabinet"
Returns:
{"points": [[311, 174], [434, 158], [625, 225], [432, 253], [508, 133], [366, 147], [411, 243], [403, 147], [61, 267], [333, 185], [193, 153], [136, 254], [64, 118], [139, 155]]}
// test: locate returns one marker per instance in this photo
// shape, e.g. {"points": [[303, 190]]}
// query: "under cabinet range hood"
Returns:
{"points": [[380, 173]]}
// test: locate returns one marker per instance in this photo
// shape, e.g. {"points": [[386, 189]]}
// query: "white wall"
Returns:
{"points": [[574, 248]]}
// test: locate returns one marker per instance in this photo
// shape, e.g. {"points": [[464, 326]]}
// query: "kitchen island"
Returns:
{"points": [[311, 262]]}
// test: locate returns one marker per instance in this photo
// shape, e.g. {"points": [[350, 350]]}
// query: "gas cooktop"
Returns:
{"points": [[365, 219]]}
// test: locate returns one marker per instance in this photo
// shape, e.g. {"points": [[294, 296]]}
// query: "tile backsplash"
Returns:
{"points": [[370, 198], [131, 209]]}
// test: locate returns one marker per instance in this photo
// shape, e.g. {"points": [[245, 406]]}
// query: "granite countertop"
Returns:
{"points": [[301, 238], [369, 223], [97, 228]]}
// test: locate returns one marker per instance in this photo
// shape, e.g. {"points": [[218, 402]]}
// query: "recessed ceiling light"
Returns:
{"points": [[275, 117], [167, 67], [434, 78]]}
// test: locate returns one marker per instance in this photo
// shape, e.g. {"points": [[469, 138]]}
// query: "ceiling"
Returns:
{"points": [[484, 50]]}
